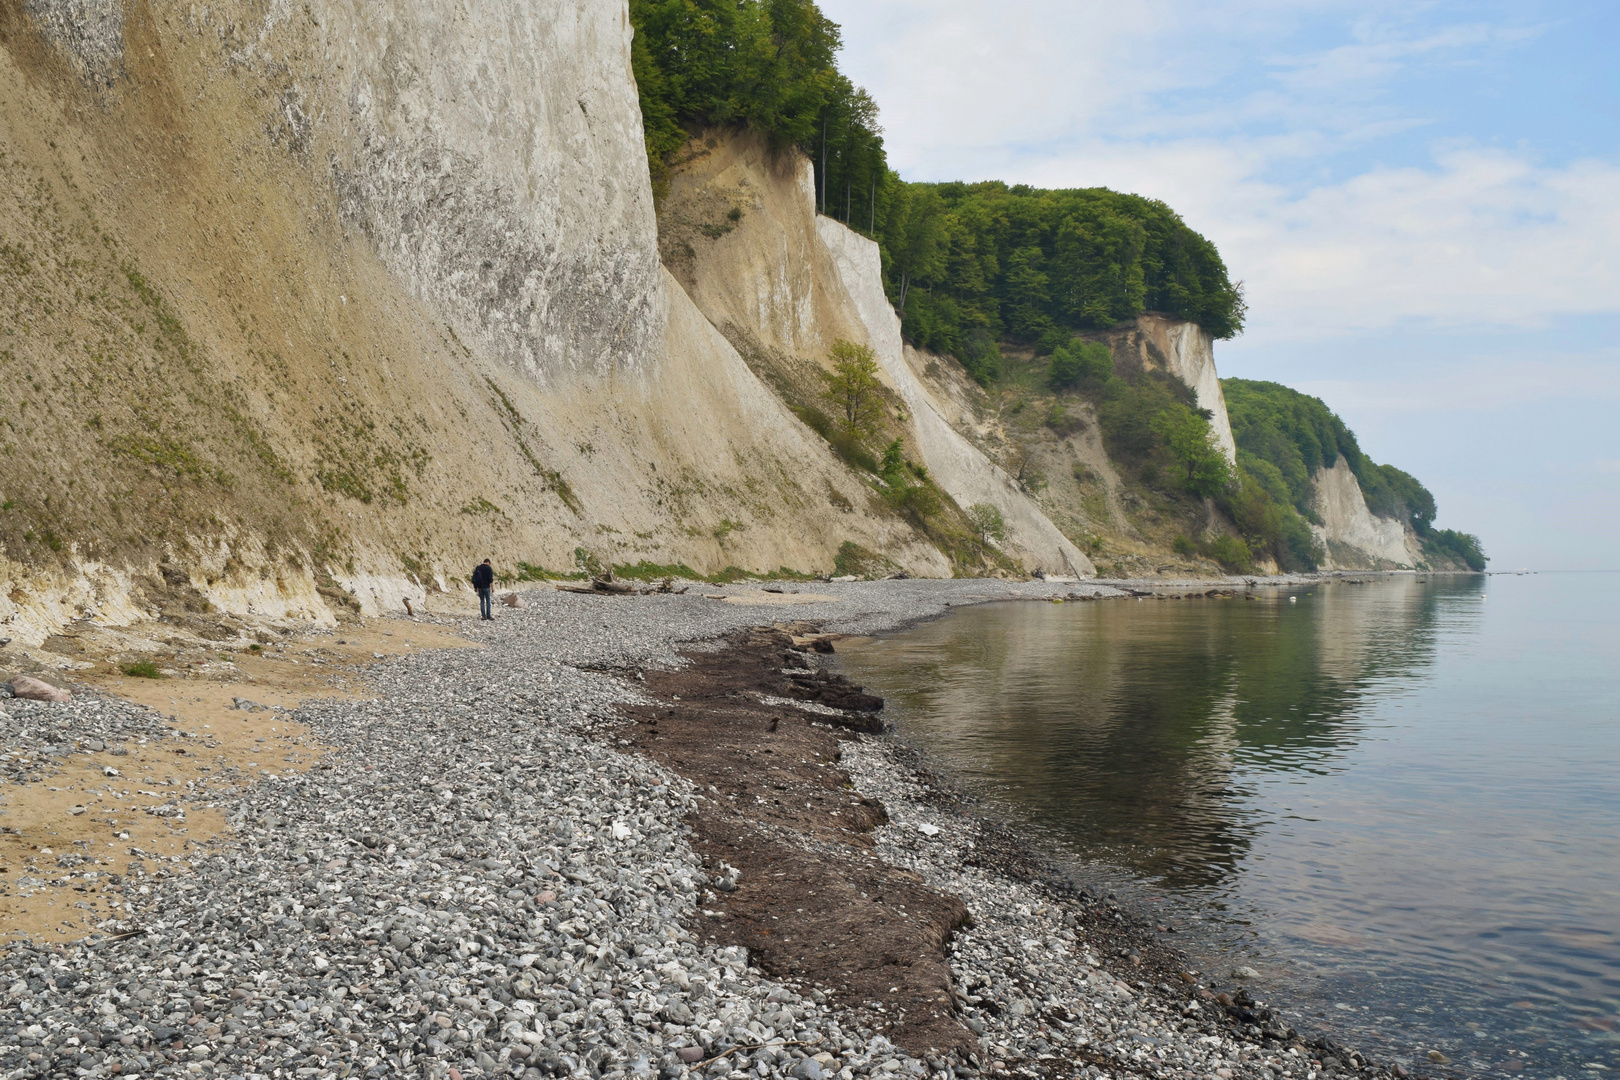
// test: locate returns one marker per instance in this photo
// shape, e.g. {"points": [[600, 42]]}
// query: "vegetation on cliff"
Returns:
{"points": [[972, 266], [1153, 427], [1022, 262], [763, 64], [1442, 544], [964, 264], [1284, 437], [125, 438]]}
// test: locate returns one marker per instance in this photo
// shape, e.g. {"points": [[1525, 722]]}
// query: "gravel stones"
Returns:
{"points": [[472, 880]]}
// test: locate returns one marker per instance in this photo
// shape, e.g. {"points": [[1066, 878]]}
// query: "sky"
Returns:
{"points": [[1422, 200]]}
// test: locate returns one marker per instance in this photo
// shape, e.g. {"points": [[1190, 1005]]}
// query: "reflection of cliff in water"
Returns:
{"points": [[1127, 723]]}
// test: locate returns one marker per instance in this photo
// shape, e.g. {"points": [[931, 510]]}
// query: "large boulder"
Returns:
{"points": [[25, 686]]}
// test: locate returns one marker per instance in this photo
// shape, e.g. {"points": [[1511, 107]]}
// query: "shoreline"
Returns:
{"points": [[924, 831], [476, 876]]}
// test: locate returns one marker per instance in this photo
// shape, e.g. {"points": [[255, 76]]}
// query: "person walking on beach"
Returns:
{"points": [[483, 579]]}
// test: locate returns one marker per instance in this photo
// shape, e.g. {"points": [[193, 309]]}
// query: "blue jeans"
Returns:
{"points": [[484, 596]]}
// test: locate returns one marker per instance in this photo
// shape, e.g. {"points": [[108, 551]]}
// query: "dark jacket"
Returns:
{"points": [[483, 577]]}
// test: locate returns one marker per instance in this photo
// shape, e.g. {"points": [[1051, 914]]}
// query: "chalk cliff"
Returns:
{"points": [[311, 307], [959, 466], [1185, 350], [306, 308], [741, 232], [1354, 537]]}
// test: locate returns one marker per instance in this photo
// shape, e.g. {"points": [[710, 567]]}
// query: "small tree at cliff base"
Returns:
{"points": [[988, 522], [1025, 472], [893, 467], [853, 388], [1192, 442]]}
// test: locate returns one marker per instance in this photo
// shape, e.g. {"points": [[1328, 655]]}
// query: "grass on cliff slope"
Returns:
{"points": [[1287, 436], [1174, 484], [867, 448], [122, 438], [132, 435]]}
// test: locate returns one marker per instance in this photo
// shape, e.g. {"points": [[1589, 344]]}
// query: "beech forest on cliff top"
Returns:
{"points": [[959, 259]]}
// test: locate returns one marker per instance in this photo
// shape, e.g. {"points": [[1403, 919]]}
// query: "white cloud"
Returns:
{"points": [[1482, 385], [1381, 52], [953, 76], [1215, 109], [1480, 238], [949, 73]]}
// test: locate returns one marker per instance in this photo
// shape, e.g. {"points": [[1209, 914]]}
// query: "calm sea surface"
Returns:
{"points": [[1399, 801]]}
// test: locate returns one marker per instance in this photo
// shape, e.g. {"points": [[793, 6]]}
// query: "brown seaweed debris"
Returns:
{"points": [[787, 838]]}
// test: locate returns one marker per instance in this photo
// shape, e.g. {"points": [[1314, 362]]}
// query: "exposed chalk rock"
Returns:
{"points": [[1355, 537], [955, 464], [1186, 350]]}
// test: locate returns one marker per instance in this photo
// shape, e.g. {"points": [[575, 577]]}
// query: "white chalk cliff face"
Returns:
{"points": [[780, 277], [492, 153], [412, 255], [739, 232], [956, 464], [1355, 537], [412, 249], [1185, 350]]}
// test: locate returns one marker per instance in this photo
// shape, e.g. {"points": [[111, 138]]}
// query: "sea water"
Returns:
{"points": [[1398, 800]]}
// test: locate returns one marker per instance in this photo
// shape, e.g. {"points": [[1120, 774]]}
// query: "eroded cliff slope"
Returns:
{"points": [[345, 296], [739, 228], [307, 308], [1353, 537]]}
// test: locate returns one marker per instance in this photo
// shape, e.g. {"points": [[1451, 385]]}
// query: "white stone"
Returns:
{"points": [[25, 686]]}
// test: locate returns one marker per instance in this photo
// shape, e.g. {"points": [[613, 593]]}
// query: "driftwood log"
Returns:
{"points": [[607, 585]]}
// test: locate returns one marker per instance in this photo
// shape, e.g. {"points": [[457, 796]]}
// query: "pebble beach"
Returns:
{"points": [[480, 877]]}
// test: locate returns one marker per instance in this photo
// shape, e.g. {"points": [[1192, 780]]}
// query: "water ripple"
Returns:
{"points": [[1398, 802]]}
